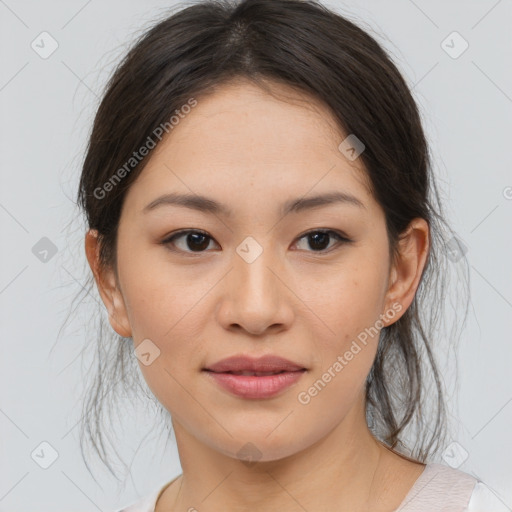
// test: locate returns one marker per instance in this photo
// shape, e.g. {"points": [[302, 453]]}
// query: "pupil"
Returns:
{"points": [[321, 238], [195, 237]]}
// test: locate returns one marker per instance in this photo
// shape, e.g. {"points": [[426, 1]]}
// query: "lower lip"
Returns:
{"points": [[252, 386]]}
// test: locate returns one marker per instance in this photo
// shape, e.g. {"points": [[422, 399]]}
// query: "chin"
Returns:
{"points": [[259, 446]]}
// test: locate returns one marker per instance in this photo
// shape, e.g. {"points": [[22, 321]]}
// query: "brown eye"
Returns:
{"points": [[319, 240], [194, 241]]}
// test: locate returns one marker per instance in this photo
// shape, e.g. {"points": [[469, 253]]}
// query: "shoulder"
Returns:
{"points": [[148, 502], [484, 500], [144, 504], [440, 488]]}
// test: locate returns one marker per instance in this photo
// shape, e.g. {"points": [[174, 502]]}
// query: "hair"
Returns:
{"points": [[307, 47]]}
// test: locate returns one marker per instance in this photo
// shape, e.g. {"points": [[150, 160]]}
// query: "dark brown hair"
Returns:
{"points": [[304, 45]]}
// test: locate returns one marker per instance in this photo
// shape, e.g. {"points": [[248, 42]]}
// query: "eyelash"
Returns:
{"points": [[169, 240]]}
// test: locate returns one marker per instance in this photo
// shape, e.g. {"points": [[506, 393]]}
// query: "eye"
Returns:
{"points": [[198, 241], [195, 240], [319, 239]]}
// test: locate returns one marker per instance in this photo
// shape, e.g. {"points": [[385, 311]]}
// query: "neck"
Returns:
{"points": [[338, 472]]}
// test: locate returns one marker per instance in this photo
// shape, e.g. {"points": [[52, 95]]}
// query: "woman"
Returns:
{"points": [[263, 227]]}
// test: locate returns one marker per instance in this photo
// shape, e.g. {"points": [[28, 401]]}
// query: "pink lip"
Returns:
{"points": [[267, 363], [254, 386]]}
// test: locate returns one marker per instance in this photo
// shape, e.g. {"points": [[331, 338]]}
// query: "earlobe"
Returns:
{"points": [[107, 286], [117, 315], [408, 266], [121, 329]]}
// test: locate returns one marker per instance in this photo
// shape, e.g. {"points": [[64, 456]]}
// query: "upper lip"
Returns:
{"points": [[267, 363]]}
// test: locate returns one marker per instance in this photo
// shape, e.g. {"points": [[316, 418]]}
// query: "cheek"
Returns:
{"points": [[352, 300], [350, 305], [160, 300], [163, 307]]}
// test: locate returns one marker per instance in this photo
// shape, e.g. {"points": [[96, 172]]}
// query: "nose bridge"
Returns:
{"points": [[256, 282], [256, 298]]}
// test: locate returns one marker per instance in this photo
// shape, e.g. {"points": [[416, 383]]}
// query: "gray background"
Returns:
{"points": [[47, 109]]}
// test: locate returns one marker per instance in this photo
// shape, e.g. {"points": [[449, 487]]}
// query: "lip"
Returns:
{"points": [[267, 363], [254, 386]]}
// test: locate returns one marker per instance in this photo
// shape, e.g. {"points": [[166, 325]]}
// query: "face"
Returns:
{"points": [[310, 284]]}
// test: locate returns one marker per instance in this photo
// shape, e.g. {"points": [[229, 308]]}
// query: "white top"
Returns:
{"points": [[439, 488]]}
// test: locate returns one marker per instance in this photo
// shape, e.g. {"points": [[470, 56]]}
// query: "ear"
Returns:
{"points": [[108, 287], [406, 270]]}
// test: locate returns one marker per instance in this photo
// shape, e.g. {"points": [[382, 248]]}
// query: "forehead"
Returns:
{"points": [[241, 140]]}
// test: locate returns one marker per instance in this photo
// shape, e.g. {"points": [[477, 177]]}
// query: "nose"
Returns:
{"points": [[255, 297]]}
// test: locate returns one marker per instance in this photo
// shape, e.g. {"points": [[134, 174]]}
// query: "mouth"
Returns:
{"points": [[268, 364], [251, 378], [249, 373]]}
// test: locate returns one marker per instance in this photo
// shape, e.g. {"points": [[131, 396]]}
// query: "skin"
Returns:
{"points": [[252, 151]]}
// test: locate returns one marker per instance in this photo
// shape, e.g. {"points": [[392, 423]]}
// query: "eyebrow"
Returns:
{"points": [[207, 205]]}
